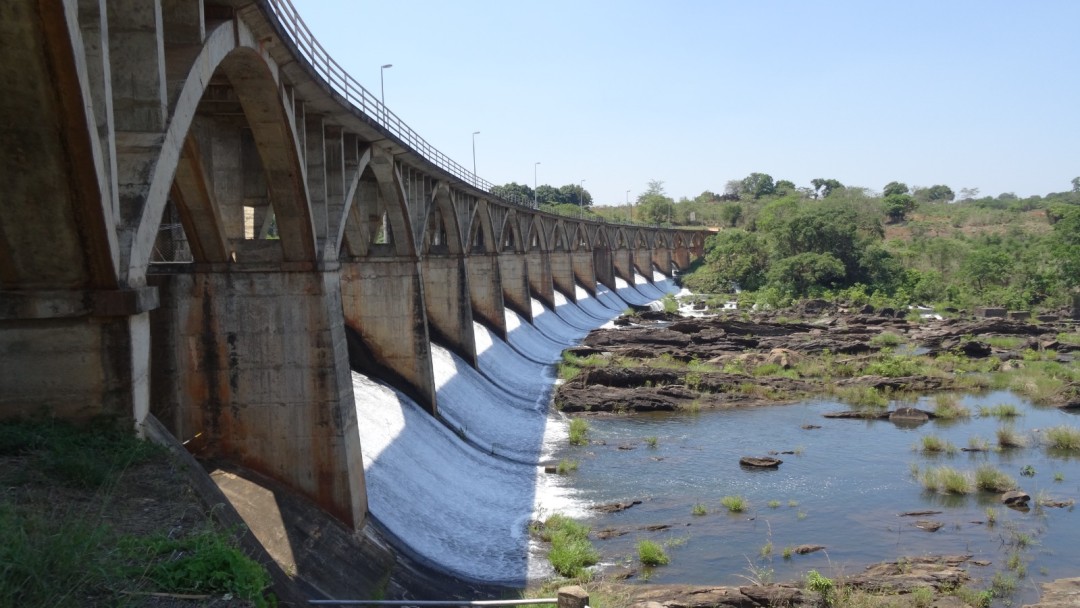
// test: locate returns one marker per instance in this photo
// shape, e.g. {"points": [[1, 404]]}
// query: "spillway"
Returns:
{"points": [[528, 340], [611, 300], [452, 505], [573, 315], [646, 288], [554, 327], [629, 294], [593, 306], [511, 372]]}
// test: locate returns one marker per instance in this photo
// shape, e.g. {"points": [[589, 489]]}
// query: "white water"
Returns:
{"points": [[664, 283], [610, 299], [512, 372], [452, 505], [632, 296], [528, 340], [647, 289], [554, 327], [573, 315], [594, 307]]}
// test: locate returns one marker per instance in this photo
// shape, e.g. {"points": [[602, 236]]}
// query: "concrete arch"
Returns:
{"points": [[482, 234], [233, 49], [349, 236], [441, 223], [579, 237], [510, 240], [557, 238], [535, 239]]}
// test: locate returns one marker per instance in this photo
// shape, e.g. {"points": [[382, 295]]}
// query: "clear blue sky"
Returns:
{"points": [[969, 93]]}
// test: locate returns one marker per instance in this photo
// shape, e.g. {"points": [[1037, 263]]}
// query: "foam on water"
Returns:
{"points": [[554, 327], [573, 315], [594, 307], [629, 294], [664, 283], [528, 340], [512, 372], [452, 505], [499, 423]]}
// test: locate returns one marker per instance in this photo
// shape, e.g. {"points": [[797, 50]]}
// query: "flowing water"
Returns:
{"points": [[844, 487]]}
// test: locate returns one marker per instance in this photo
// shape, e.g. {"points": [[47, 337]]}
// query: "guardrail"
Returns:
{"points": [[569, 597], [361, 99]]}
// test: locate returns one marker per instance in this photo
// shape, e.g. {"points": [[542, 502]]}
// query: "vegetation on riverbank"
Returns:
{"points": [[93, 516]]}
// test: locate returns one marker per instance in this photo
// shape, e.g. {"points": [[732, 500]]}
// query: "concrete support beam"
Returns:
{"points": [[604, 266], [681, 257], [562, 273], [584, 267], [253, 367], [540, 282], [316, 155], [383, 300], [661, 259], [486, 291], [623, 261], [448, 304], [514, 271], [137, 53], [643, 262]]}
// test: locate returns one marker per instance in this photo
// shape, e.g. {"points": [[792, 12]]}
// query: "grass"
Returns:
{"points": [[989, 478], [1073, 339], [1063, 437], [63, 552], [947, 407], [1008, 437], [932, 444], [774, 504], [651, 441], [1001, 410], [734, 504], [991, 516], [579, 432], [1003, 342], [861, 396], [946, 480], [887, 339], [651, 553], [566, 466], [978, 444], [896, 366], [699, 509], [571, 551]]}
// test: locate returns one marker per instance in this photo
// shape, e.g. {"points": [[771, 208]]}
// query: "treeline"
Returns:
{"points": [[897, 247], [570, 194]]}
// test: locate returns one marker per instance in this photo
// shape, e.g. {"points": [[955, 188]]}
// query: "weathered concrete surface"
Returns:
{"points": [[539, 275], [562, 273], [486, 290], [253, 367], [584, 271], [383, 302], [623, 261], [514, 271], [448, 304]]}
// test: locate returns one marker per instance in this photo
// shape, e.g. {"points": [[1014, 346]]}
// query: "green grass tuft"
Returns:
{"points": [[1063, 437], [734, 504], [579, 432], [651, 553]]}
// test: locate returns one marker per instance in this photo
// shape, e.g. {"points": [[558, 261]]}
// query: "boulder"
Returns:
{"points": [[804, 549], [976, 349], [1015, 498], [764, 462], [909, 414], [929, 525]]}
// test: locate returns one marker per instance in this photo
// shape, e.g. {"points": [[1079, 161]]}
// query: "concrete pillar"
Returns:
{"points": [[661, 259], [75, 354], [681, 257], [254, 367], [642, 260], [573, 597], [447, 302], [623, 261], [540, 282], [486, 291], [604, 266], [137, 53], [315, 154], [383, 300], [514, 272], [584, 269], [562, 273], [94, 24]]}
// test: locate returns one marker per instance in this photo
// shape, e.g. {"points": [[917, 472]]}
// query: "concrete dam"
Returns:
{"points": [[206, 221]]}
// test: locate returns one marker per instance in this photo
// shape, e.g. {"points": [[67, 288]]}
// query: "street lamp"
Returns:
{"points": [[382, 87], [581, 198], [475, 133], [537, 164], [629, 206]]}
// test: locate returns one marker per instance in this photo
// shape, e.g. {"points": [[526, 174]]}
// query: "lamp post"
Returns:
{"points": [[535, 165], [629, 207], [475, 133], [581, 199], [382, 88]]}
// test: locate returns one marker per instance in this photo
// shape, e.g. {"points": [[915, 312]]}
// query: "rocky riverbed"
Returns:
{"points": [[663, 362]]}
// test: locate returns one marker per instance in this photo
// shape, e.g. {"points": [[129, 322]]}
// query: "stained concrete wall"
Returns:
{"points": [[661, 259], [562, 273], [584, 270], [623, 261], [486, 290], [253, 367], [448, 306], [540, 283], [383, 302], [513, 268], [643, 262], [604, 267]]}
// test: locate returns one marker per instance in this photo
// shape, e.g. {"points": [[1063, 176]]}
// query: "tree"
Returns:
{"points": [[513, 192], [738, 257], [798, 273], [731, 213], [654, 207], [574, 194], [987, 266], [897, 206], [824, 187], [784, 187], [967, 194], [1076, 184], [935, 193], [893, 188], [550, 195], [757, 185]]}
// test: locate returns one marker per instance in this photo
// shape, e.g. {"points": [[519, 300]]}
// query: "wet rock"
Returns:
{"points": [[919, 513], [763, 462], [929, 525], [607, 533], [1017, 498], [1057, 504], [655, 527], [975, 349], [909, 414], [615, 507], [858, 415], [810, 427], [804, 549], [1062, 593]]}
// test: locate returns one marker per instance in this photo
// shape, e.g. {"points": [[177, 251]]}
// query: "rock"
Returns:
{"points": [[857, 415], [1019, 315], [919, 513], [616, 507], [783, 357], [655, 527], [1015, 498], [988, 312], [929, 525], [909, 414], [866, 310], [810, 427], [887, 312], [1062, 593], [804, 549], [761, 463], [1057, 504], [813, 307], [607, 533], [976, 349]]}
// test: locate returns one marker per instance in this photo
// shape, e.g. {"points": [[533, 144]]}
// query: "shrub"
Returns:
{"points": [[887, 339], [1008, 437], [579, 432], [946, 480], [651, 554], [862, 396], [571, 552], [699, 509], [992, 480], [936, 445], [1063, 437], [651, 441], [734, 504], [566, 466], [948, 407]]}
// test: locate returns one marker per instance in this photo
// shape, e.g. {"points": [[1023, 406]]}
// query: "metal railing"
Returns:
{"points": [[361, 99], [521, 602]]}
